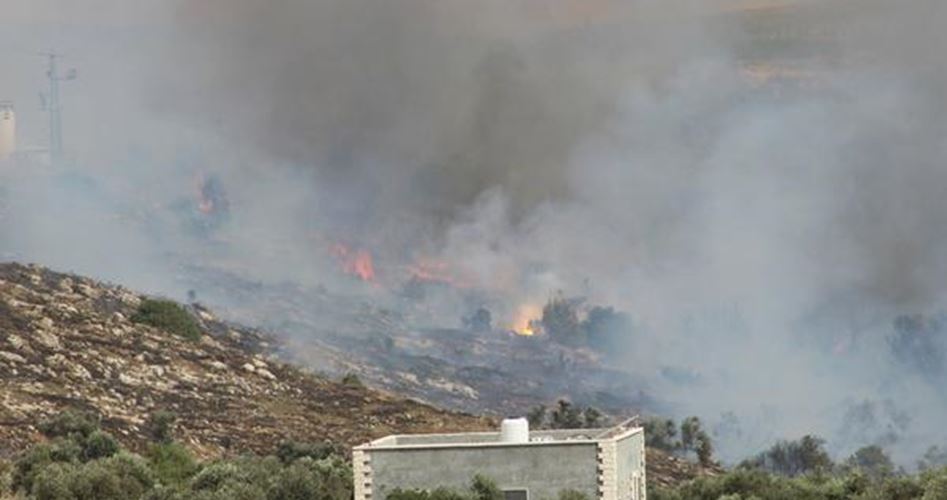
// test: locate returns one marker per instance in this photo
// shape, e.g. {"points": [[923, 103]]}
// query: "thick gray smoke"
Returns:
{"points": [[761, 186]]}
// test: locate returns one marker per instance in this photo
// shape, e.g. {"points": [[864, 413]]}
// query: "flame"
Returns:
{"points": [[526, 320], [354, 262], [436, 271]]}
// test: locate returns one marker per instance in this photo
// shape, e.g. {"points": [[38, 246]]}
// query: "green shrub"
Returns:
{"points": [[171, 463], [99, 445], [352, 380], [70, 424], [37, 458], [120, 477], [161, 426], [572, 495], [290, 451], [168, 316], [483, 488]]}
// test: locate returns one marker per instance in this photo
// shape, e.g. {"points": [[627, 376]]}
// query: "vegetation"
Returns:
{"points": [[662, 434], [81, 462], [569, 321], [168, 316], [352, 380], [565, 416], [481, 488], [853, 485]]}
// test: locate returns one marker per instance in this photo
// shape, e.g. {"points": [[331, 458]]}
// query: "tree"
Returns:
{"points": [[935, 457], [661, 433], [607, 330], [561, 320], [480, 321], [793, 458], [537, 417], [871, 460], [566, 416]]}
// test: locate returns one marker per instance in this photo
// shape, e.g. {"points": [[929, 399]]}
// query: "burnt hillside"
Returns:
{"points": [[69, 342]]}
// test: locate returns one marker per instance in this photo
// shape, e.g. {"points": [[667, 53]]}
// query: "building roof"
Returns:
{"points": [[493, 439]]}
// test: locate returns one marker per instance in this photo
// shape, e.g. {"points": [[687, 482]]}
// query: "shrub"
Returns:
{"points": [[30, 464], [161, 426], [121, 477], [171, 463], [70, 424], [99, 445], [561, 321], [483, 488], [352, 380], [661, 433], [168, 316], [414, 494], [290, 451], [572, 495], [872, 460], [792, 458]]}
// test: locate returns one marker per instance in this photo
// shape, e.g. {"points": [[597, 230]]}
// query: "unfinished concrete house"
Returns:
{"points": [[606, 464]]}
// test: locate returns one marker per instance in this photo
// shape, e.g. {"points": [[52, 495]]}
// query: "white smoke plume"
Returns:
{"points": [[760, 185]]}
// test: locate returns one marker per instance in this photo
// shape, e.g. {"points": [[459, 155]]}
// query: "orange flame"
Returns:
{"points": [[436, 271], [526, 320], [356, 262]]}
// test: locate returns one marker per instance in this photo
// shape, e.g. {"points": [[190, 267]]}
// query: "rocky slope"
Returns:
{"points": [[67, 341]]}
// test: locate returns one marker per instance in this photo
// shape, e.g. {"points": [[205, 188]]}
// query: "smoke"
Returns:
{"points": [[760, 187]]}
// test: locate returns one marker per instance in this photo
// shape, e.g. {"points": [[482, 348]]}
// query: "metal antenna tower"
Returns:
{"points": [[54, 105]]}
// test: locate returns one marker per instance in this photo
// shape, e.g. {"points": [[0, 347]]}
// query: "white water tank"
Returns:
{"points": [[7, 130], [514, 430]]}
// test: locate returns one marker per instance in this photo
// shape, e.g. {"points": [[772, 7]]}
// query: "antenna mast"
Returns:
{"points": [[54, 105]]}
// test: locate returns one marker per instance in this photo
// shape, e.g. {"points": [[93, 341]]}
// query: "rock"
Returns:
{"points": [[12, 357], [46, 323], [217, 366], [65, 285], [88, 291], [247, 367], [16, 342], [47, 340], [128, 380], [80, 372], [259, 363], [265, 374]]}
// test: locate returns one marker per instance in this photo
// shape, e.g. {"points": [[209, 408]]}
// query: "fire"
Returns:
{"points": [[526, 320], [436, 271], [354, 262]]}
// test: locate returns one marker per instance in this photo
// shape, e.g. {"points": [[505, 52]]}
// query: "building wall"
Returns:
{"points": [[543, 470], [630, 467]]}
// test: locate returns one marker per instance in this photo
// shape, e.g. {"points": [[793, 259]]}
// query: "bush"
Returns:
{"points": [[70, 424], [161, 426], [871, 460], [793, 458], [171, 463], [352, 380], [561, 321], [34, 461], [168, 316], [99, 445], [483, 488], [290, 451], [121, 477], [572, 495]]}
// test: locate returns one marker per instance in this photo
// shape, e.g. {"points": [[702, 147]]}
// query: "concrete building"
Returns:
{"points": [[7, 130], [606, 464]]}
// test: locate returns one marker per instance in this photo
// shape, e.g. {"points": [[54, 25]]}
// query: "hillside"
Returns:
{"points": [[67, 341]]}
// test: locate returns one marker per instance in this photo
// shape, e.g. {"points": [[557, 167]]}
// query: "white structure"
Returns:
{"points": [[602, 464], [7, 130]]}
